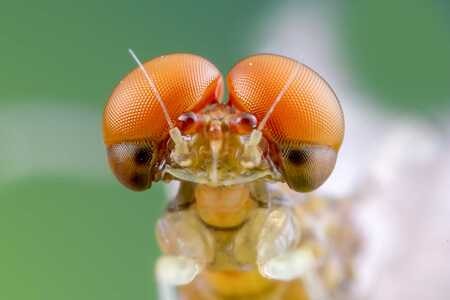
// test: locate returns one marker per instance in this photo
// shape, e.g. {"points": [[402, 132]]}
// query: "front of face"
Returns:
{"points": [[217, 139], [282, 122]]}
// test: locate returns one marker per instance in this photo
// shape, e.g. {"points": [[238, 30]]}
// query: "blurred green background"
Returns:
{"points": [[68, 230]]}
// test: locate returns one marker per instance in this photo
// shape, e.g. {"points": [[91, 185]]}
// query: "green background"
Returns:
{"points": [[68, 230]]}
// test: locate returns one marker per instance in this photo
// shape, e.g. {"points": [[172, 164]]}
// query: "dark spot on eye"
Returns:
{"points": [[143, 156], [139, 180], [297, 156]]}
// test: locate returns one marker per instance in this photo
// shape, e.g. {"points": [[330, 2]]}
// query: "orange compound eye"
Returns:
{"points": [[306, 125], [133, 163], [134, 122]]}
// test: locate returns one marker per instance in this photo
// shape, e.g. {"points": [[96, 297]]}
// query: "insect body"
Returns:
{"points": [[231, 233]]}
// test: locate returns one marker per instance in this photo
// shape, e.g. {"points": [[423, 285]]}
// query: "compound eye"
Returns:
{"points": [[306, 167], [134, 125], [133, 162], [306, 127]]}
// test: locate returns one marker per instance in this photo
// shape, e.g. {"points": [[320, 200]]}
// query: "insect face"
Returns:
{"points": [[217, 148], [282, 122]]}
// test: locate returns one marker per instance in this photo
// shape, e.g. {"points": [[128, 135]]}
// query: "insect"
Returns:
{"points": [[240, 226]]}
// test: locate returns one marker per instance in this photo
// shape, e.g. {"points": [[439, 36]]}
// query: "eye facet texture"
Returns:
{"points": [[309, 110], [307, 125], [186, 82], [133, 120], [132, 163], [306, 167]]}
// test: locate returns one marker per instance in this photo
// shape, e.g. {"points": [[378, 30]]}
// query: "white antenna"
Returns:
{"points": [[278, 98], [181, 146], [251, 151], [153, 89]]}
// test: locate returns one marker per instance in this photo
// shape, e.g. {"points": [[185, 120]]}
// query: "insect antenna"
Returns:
{"points": [[153, 88], [256, 134], [279, 96], [175, 133], [251, 154]]}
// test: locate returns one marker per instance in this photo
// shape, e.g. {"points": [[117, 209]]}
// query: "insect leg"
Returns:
{"points": [[278, 254], [288, 266], [173, 271], [187, 246]]}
